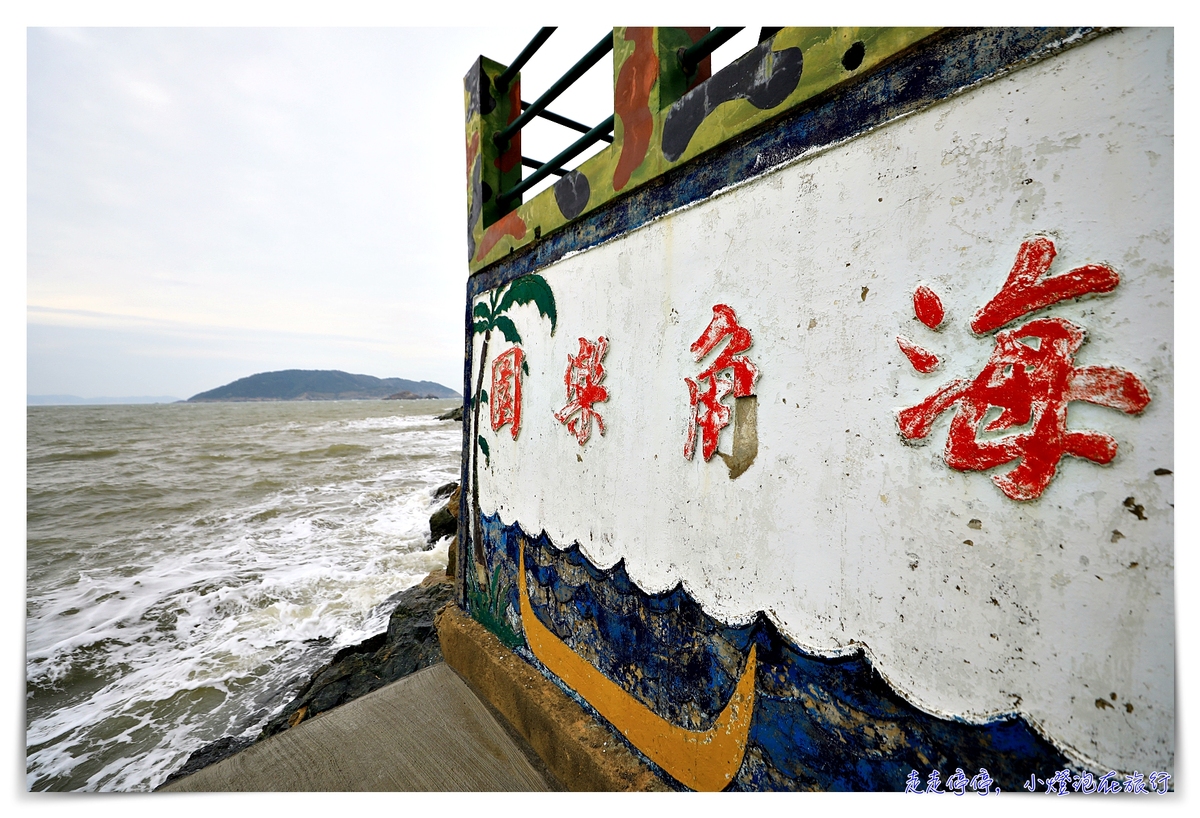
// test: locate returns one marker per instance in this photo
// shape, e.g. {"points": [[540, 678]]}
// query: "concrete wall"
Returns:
{"points": [[1043, 598]]}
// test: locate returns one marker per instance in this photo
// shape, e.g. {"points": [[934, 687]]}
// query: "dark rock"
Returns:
{"points": [[369, 645], [404, 394], [453, 414], [444, 521], [210, 753], [444, 491], [452, 558]]}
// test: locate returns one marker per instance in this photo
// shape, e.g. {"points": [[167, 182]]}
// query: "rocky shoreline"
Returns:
{"points": [[409, 644]]}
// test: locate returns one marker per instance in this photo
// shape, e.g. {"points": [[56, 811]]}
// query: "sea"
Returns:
{"points": [[190, 565]]}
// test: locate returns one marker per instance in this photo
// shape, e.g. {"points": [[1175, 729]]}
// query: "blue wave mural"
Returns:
{"points": [[818, 723]]}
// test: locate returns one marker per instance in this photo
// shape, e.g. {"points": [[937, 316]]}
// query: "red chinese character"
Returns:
{"points": [[505, 399], [583, 376], [709, 415], [1027, 382]]}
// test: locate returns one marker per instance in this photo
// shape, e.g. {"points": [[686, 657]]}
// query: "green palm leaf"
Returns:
{"points": [[482, 311], [505, 325], [531, 289]]}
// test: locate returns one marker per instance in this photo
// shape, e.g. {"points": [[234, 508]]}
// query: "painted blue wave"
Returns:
{"points": [[819, 723]]}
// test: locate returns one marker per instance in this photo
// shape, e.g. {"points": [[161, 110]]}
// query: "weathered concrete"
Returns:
{"points": [[426, 732], [581, 753]]}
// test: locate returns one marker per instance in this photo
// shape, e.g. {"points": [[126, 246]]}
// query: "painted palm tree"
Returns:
{"points": [[490, 315]]}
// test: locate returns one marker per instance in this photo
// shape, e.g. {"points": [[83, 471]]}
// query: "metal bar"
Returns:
{"points": [[528, 51], [536, 164], [559, 119], [579, 146], [710, 42], [564, 82]]}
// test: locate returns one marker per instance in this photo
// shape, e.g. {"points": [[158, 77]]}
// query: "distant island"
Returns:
{"points": [[322, 384]]}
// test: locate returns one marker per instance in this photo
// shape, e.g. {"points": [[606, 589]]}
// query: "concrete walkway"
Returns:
{"points": [[425, 732]]}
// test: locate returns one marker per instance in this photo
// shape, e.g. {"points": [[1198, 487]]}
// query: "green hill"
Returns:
{"points": [[320, 384]]}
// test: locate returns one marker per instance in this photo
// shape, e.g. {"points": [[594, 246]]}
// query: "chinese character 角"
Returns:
{"points": [[708, 414], [584, 373]]}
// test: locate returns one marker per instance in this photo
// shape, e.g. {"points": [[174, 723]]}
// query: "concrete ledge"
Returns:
{"points": [[427, 732], [582, 754]]}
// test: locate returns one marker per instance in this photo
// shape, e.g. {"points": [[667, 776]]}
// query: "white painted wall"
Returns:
{"points": [[823, 529]]}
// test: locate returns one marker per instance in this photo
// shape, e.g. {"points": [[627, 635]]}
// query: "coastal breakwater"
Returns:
{"points": [[819, 430], [409, 644]]}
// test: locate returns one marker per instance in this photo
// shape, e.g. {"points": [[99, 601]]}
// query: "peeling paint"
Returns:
{"points": [[886, 641]]}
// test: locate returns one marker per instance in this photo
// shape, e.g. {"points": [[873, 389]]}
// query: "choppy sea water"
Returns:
{"points": [[188, 565]]}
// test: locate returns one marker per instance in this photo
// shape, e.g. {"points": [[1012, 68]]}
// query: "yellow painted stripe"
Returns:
{"points": [[704, 760]]}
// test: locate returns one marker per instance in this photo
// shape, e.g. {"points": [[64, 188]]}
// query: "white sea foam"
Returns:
{"points": [[168, 629]]}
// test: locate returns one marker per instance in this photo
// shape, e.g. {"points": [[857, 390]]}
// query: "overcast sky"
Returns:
{"points": [[207, 203]]}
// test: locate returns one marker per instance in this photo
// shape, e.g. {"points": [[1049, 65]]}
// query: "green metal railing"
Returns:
{"points": [[690, 58]]}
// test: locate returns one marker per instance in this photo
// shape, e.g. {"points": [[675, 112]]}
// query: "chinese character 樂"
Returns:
{"points": [[583, 376]]}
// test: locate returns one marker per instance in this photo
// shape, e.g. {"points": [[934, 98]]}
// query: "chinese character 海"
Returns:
{"points": [[1027, 382]]}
